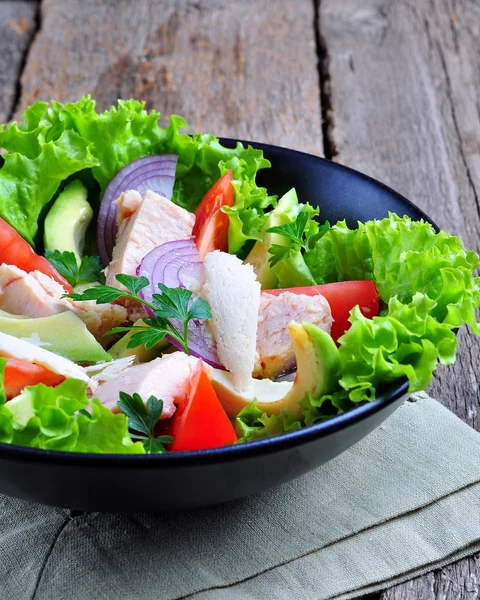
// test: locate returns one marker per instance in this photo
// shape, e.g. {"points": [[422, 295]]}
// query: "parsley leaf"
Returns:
{"points": [[173, 303], [143, 419], [133, 284], [89, 270], [149, 338], [103, 294], [297, 233], [172, 309], [292, 231]]}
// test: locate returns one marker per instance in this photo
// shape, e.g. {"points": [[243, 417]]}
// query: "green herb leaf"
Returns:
{"points": [[200, 309], [172, 303], [171, 308], [292, 231], [295, 233], [143, 419], [89, 270], [148, 338], [102, 294], [278, 253], [133, 284]]}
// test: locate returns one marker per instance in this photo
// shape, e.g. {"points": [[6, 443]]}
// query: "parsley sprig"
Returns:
{"points": [[143, 419], [88, 271], [295, 232], [172, 308]]}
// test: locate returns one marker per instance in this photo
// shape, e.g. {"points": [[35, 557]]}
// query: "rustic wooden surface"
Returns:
{"points": [[198, 59], [17, 25], [390, 88], [404, 87]]}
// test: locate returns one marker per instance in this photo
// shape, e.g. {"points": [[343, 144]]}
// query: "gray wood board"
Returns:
{"points": [[404, 92], [213, 62], [17, 26]]}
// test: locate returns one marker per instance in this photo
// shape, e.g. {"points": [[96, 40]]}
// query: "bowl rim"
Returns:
{"points": [[272, 444]]}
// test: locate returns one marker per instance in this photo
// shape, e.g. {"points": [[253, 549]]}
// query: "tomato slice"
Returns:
{"points": [[14, 250], [201, 421], [18, 374], [211, 223], [342, 297]]}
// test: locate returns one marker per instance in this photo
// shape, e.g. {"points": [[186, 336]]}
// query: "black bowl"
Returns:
{"points": [[188, 479]]}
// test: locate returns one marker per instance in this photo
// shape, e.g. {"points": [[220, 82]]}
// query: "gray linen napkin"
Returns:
{"points": [[402, 502]]}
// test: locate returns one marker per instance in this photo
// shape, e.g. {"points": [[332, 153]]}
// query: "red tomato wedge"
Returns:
{"points": [[18, 374], [14, 250], [201, 422], [342, 297], [211, 224]]}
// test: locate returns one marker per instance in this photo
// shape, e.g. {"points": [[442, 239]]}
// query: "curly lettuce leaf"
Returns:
{"points": [[56, 140], [252, 423], [410, 257], [28, 182], [342, 254], [408, 342], [403, 257], [3, 393], [62, 418]]}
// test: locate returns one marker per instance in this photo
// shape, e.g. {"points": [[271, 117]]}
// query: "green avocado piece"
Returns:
{"points": [[318, 372], [67, 221], [285, 212], [142, 355], [8, 315], [63, 333]]}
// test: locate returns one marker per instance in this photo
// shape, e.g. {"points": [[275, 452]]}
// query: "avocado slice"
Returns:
{"points": [[63, 333], [318, 372], [285, 212], [120, 350], [67, 221]]}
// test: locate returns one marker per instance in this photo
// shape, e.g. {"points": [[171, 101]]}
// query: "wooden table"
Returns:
{"points": [[391, 88]]}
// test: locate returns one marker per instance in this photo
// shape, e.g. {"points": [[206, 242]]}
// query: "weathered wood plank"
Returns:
{"points": [[405, 79], [17, 25], [209, 61], [405, 96]]}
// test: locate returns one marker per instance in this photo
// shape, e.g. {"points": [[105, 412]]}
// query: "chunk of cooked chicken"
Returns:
{"points": [[167, 378], [37, 295], [143, 224], [22, 294], [233, 292], [275, 353]]}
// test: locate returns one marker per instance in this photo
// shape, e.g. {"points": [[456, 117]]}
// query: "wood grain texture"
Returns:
{"points": [[404, 86], [17, 25], [404, 89], [219, 64]]}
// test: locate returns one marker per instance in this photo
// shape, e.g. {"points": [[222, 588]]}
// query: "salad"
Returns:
{"points": [[154, 298]]}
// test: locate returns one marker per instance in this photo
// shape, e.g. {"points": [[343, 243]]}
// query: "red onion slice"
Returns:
{"points": [[178, 264], [156, 173]]}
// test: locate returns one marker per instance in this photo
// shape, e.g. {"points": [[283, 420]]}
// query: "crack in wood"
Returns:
{"points": [[18, 86], [449, 93], [326, 102]]}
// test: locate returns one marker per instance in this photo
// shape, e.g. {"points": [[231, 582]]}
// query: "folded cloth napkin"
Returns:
{"points": [[402, 502]]}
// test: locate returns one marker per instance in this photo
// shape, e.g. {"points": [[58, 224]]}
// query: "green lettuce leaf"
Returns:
{"points": [[28, 183], [62, 418], [408, 342], [3, 394], [410, 257], [252, 423], [342, 254], [292, 271], [54, 141]]}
